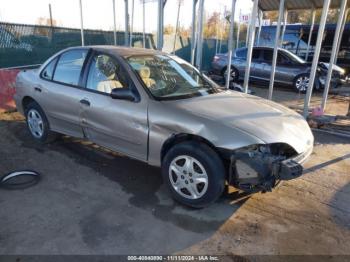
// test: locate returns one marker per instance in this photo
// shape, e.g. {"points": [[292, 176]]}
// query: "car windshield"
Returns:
{"points": [[169, 77], [294, 57]]}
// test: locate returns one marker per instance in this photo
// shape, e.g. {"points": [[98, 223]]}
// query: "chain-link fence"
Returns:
{"points": [[22, 45]]}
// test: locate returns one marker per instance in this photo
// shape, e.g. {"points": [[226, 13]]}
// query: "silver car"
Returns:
{"points": [[157, 108], [291, 70]]}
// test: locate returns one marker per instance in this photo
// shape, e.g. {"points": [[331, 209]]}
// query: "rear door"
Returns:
{"points": [[240, 62], [59, 91], [257, 67], [119, 125]]}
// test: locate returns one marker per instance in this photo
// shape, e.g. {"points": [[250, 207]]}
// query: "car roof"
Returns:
{"points": [[121, 50]]}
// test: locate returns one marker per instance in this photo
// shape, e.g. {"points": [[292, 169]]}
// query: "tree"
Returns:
{"points": [[169, 29], [44, 21]]}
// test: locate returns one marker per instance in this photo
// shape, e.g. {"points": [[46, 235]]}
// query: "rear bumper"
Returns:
{"points": [[18, 103]]}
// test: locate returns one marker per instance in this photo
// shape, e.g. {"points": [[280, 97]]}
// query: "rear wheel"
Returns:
{"points": [[194, 174], [38, 124]]}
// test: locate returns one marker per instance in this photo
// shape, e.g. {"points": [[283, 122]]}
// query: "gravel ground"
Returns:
{"points": [[92, 201]]}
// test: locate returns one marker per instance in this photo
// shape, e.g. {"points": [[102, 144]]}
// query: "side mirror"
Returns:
{"points": [[123, 94]]}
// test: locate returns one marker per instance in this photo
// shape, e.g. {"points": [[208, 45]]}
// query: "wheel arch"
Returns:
{"points": [[26, 101], [182, 137]]}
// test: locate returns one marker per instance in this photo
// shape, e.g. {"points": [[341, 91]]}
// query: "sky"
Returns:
{"points": [[99, 14]]}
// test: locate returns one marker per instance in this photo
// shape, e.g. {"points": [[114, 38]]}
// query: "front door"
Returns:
{"points": [[119, 125]]}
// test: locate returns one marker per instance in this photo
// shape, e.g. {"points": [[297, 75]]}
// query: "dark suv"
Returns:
{"points": [[290, 70]]}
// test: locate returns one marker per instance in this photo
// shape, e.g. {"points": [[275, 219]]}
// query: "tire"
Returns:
{"points": [[38, 124], [206, 168], [234, 74], [301, 82]]}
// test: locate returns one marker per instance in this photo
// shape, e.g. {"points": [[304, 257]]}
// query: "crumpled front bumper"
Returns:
{"points": [[264, 173]]}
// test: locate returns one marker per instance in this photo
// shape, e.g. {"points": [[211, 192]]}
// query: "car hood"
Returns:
{"points": [[264, 119]]}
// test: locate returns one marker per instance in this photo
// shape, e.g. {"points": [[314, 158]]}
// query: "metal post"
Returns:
{"points": [[220, 30], [193, 33], [238, 28], [51, 21], [126, 34], [144, 23], [341, 34], [260, 25], [200, 35], [230, 44], [132, 22], [250, 45], [160, 26], [285, 20], [217, 38], [275, 49], [177, 24], [81, 24], [336, 38], [247, 35], [50, 12], [114, 25], [316, 56], [313, 15]]}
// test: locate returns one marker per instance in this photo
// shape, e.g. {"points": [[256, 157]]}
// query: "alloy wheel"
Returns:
{"points": [[302, 83], [35, 123], [188, 177]]}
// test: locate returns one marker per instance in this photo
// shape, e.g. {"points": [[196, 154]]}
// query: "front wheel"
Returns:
{"points": [[194, 174], [301, 83]]}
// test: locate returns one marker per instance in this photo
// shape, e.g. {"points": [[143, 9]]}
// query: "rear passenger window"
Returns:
{"points": [[47, 73], [268, 54], [69, 67]]}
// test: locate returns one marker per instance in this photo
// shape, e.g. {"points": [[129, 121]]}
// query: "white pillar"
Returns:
{"points": [[313, 15], [285, 21], [114, 25], [200, 35], [193, 33], [334, 52], [238, 31], [160, 26], [81, 24], [341, 34], [275, 49], [126, 14], [260, 25], [132, 22], [230, 44], [250, 45], [316, 57], [144, 23], [177, 24]]}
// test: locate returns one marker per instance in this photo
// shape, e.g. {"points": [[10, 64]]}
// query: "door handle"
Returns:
{"points": [[85, 102], [38, 89]]}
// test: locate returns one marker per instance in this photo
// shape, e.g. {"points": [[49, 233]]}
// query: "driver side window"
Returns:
{"points": [[105, 74]]}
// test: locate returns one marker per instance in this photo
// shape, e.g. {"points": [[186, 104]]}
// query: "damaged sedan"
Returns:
{"points": [[159, 109]]}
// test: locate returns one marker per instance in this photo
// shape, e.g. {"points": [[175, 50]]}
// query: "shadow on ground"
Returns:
{"points": [[340, 207], [142, 186]]}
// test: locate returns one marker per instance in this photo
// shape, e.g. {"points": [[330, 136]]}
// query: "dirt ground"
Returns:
{"points": [[91, 201]]}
